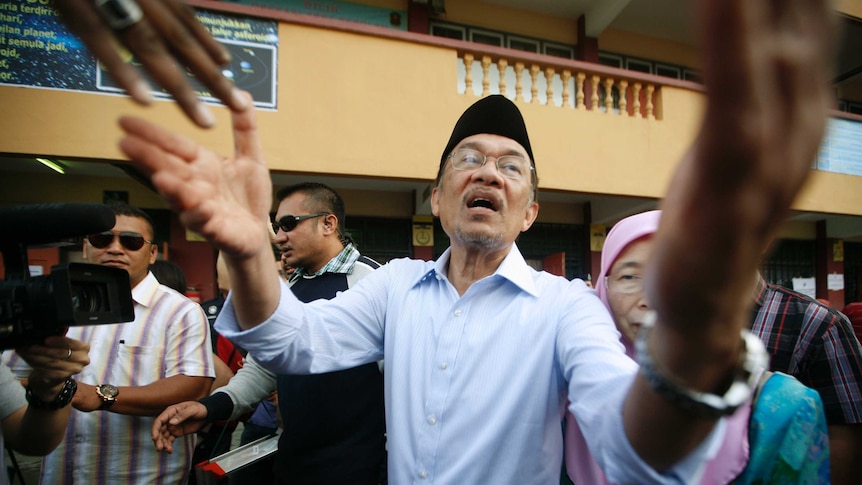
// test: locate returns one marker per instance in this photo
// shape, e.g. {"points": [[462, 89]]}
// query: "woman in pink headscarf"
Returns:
{"points": [[787, 404]]}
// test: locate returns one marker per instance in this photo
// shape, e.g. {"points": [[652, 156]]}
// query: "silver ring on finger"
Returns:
{"points": [[119, 14]]}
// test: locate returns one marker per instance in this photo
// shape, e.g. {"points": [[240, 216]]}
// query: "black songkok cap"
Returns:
{"points": [[495, 115]]}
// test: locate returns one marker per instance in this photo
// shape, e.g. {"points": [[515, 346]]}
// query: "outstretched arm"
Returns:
{"points": [[175, 421], [166, 40], [766, 70], [227, 200]]}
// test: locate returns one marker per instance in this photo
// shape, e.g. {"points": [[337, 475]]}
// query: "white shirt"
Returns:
{"points": [[475, 384]]}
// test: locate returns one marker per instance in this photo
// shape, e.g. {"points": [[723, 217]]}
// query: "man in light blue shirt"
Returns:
{"points": [[481, 351]]}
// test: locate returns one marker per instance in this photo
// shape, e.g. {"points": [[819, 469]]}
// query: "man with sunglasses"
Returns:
{"points": [[322, 441], [481, 350], [136, 370]]}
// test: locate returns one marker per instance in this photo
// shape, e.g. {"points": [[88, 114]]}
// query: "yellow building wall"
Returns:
{"points": [[852, 8], [394, 205], [499, 18], [377, 107], [637, 45]]}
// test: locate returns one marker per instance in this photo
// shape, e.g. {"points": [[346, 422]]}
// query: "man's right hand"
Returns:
{"points": [[226, 200], [176, 421]]}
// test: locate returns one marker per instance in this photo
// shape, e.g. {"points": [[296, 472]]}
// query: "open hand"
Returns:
{"points": [[226, 200], [176, 421]]}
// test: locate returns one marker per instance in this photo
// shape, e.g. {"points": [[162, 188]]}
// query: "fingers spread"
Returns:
{"points": [[146, 41], [217, 52], [198, 50], [86, 23]]}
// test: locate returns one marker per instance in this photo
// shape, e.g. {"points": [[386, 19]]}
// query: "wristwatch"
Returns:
{"points": [[62, 400], [108, 394], [752, 359]]}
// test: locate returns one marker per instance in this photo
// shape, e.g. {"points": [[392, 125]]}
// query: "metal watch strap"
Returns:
{"points": [[752, 359], [62, 400]]}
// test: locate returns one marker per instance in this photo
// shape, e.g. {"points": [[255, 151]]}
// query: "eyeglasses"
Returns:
{"points": [[289, 222], [130, 240], [625, 283], [509, 166]]}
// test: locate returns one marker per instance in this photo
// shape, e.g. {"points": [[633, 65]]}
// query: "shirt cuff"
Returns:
{"points": [[219, 406]]}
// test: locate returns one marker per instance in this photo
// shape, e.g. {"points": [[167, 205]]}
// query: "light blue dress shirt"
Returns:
{"points": [[475, 385]]}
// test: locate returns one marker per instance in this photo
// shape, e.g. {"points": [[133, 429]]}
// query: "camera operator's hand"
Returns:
{"points": [[165, 37], [178, 420], [53, 362]]}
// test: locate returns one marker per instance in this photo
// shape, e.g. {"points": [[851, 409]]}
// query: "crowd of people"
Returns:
{"points": [[463, 369]]}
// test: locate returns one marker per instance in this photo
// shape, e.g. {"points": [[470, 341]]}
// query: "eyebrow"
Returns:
{"points": [[478, 146]]}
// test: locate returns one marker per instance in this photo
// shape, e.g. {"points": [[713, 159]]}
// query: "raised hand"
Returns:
{"points": [[227, 200], [167, 40], [175, 421], [767, 69]]}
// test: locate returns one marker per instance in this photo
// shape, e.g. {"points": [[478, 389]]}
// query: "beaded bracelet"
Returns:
{"points": [[745, 376]]}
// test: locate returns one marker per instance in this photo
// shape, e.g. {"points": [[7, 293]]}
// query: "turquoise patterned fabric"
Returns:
{"points": [[788, 435]]}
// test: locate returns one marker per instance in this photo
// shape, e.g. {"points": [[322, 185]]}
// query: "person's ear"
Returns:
{"points": [[154, 252], [330, 223]]}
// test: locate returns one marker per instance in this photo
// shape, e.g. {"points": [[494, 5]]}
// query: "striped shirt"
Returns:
{"points": [[170, 336], [815, 344]]}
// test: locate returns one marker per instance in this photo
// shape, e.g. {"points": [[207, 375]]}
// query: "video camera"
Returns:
{"points": [[74, 294]]}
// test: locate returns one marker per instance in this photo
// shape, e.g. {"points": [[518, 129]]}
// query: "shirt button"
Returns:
{"points": [[457, 313], [423, 474], [432, 420], [438, 277], [444, 365]]}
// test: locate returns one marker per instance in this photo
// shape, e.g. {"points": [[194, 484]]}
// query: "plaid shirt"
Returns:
{"points": [[343, 263], [815, 344]]}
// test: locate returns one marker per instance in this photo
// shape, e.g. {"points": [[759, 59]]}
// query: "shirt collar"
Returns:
{"points": [[145, 291], [513, 268], [342, 263]]}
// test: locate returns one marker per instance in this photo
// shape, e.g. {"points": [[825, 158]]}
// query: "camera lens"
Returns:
{"points": [[89, 297]]}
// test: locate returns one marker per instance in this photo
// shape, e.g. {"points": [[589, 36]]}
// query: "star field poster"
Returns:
{"points": [[38, 51]]}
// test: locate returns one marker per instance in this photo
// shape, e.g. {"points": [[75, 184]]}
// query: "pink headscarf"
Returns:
{"points": [[620, 236], [580, 466]]}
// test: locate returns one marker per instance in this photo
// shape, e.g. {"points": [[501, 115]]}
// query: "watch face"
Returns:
{"points": [[108, 392]]}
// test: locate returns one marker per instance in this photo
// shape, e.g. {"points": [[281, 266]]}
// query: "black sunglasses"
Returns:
{"points": [[130, 240], [289, 222]]}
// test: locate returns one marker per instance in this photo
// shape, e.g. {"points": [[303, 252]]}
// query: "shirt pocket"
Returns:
{"points": [[137, 365]]}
